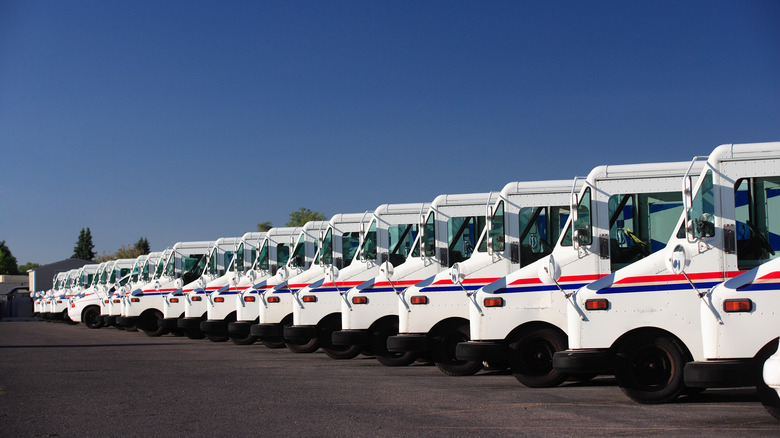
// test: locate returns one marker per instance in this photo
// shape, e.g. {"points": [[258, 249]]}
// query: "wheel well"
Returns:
{"points": [[287, 319], [385, 320], [447, 325], [92, 306], [767, 350], [536, 325], [331, 319], [650, 331], [231, 317]]}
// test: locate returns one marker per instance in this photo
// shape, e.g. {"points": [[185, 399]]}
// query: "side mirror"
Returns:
{"points": [[577, 238], [386, 270], [455, 275], [283, 273], [678, 260], [550, 272], [332, 274]]}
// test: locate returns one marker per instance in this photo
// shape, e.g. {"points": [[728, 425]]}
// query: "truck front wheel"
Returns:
{"points": [[91, 318], [649, 369], [443, 344], [530, 357]]}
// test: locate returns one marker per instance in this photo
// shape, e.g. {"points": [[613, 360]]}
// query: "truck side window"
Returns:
{"points": [[702, 212], [757, 214], [402, 238], [497, 228], [282, 254], [349, 245]]}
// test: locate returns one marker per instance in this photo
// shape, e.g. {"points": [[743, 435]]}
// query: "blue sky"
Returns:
{"points": [[193, 120]]}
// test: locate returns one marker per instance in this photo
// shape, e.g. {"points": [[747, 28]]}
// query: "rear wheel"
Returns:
{"points": [[91, 318], [530, 357], [650, 369], [443, 351]]}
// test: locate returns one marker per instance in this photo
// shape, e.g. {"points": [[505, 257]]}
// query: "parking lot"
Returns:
{"points": [[63, 380]]}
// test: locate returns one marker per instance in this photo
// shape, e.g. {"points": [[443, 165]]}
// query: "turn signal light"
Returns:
{"points": [[197, 298], [174, 300], [309, 298], [494, 302], [420, 299], [135, 300], [273, 299], [359, 300], [740, 305], [249, 299], [106, 301], [599, 304], [59, 301], [117, 301], [219, 299]]}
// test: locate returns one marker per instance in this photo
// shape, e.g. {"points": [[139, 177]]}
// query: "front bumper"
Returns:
{"points": [[267, 331], [240, 329], [214, 327], [126, 321], [191, 323], [584, 361], [481, 351], [408, 342], [351, 337], [731, 373], [300, 334], [168, 323]]}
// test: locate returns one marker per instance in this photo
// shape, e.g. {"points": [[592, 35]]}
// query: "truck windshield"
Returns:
{"points": [[349, 245], [641, 224], [211, 263], [540, 227], [462, 235], [192, 266], [237, 264], [170, 265], [326, 254], [583, 223], [282, 254], [402, 238], [160, 268], [429, 236], [145, 274], [757, 202], [261, 261], [368, 248], [702, 212], [298, 258]]}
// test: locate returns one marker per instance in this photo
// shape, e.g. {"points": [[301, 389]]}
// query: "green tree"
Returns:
{"points": [[302, 215], [27, 266], [84, 248], [143, 246], [7, 260], [264, 226]]}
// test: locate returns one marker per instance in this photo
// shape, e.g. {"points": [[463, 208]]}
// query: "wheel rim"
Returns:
{"points": [[651, 367], [536, 356]]}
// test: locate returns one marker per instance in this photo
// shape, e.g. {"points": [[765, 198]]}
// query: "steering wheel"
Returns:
{"points": [[761, 239]]}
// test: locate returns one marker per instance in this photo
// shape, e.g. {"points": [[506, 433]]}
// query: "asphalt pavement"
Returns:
{"points": [[68, 380]]}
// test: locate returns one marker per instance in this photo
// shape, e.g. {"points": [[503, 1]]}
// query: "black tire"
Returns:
{"points": [[91, 318], [649, 369], [342, 352], [217, 338], [176, 332], [274, 344], [246, 340], [194, 334], [767, 395], [443, 351], [309, 347], [325, 337], [150, 324], [530, 357], [379, 347]]}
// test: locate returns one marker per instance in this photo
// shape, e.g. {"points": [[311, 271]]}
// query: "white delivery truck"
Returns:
{"points": [[385, 236], [41, 305], [338, 242], [275, 306], [148, 299], [644, 322], [87, 306], [113, 309], [221, 303], [621, 214], [83, 281], [57, 293], [87, 296], [148, 270], [522, 226], [119, 277], [448, 234], [273, 253], [389, 238], [196, 293]]}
